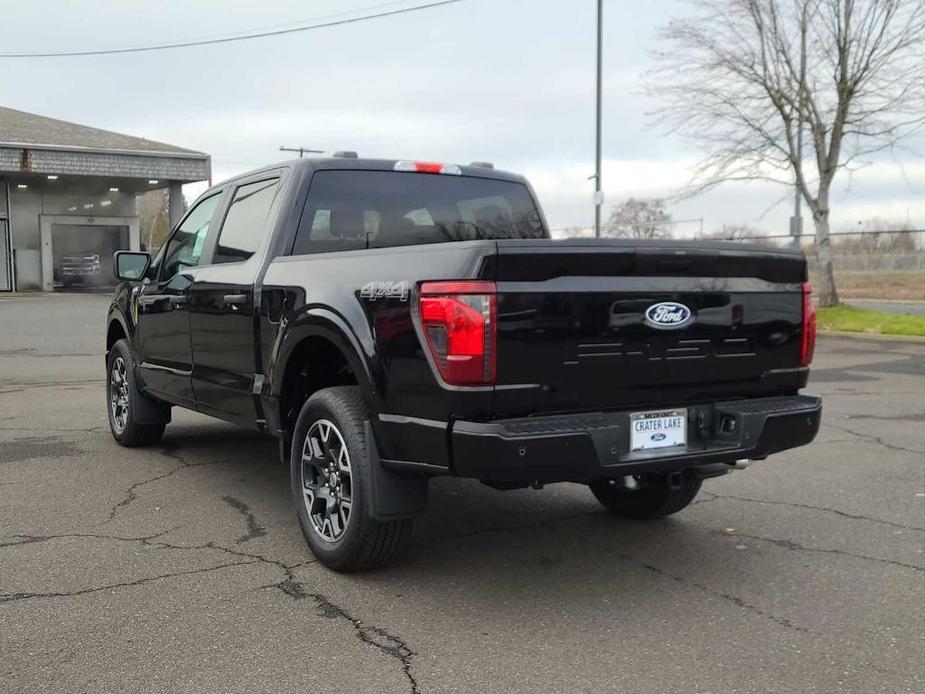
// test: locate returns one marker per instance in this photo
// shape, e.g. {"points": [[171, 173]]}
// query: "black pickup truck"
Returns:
{"points": [[389, 321]]}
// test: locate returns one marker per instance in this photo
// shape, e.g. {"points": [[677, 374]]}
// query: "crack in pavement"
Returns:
{"points": [[254, 529], [153, 541], [527, 526], [14, 597], [824, 509], [821, 441], [506, 529], [906, 417], [130, 494], [874, 439], [29, 539], [728, 597], [287, 569], [394, 646], [797, 547], [390, 644], [713, 498], [170, 452], [372, 635]]}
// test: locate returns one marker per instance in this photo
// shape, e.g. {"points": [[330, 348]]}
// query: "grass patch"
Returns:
{"points": [[877, 284], [860, 320]]}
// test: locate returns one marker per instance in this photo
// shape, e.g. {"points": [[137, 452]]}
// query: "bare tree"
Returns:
{"points": [[731, 80], [153, 218], [639, 219]]}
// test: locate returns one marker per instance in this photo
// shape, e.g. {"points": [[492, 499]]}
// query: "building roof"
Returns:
{"points": [[18, 128]]}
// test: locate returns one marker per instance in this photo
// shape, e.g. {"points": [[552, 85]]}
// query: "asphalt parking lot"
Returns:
{"points": [[181, 568]]}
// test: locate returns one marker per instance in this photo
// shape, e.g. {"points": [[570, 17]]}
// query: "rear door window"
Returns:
{"points": [[246, 222], [347, 210]]}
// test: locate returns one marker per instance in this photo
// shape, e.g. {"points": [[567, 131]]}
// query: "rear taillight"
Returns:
{"points": [[808, 332], [459, 321]]}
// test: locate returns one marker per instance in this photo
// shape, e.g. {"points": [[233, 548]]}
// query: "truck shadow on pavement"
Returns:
{"points": [[474, 548]]}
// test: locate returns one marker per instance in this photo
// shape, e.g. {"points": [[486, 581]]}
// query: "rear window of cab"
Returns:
{"points": [[347, 210]]}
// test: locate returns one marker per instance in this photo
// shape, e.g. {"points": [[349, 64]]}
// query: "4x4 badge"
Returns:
{"points": [[386, 290]]}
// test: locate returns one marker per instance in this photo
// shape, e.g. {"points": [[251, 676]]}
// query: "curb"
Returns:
{"points": [[872, 337]]}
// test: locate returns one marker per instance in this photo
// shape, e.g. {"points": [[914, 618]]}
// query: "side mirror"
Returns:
{"points": [[130, 265]]}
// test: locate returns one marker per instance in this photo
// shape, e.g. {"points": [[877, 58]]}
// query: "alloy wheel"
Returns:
{"points": [[118, 394], [327, 484]]}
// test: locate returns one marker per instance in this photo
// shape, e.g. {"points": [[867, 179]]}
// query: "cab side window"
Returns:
{"points": [[246, 222], [185, 246]]}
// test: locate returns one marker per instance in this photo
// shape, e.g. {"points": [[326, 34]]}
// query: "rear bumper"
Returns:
{"points": [[586, 447]]}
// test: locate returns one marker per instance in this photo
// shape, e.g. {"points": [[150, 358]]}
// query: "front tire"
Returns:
{"points": [[656, 499], [330, 482], [124, 402]]}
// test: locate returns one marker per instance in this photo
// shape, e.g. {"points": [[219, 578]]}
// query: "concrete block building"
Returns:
{"points": [[67, 198]]}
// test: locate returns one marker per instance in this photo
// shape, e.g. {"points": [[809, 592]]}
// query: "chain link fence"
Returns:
{"points": [[872, 264]]}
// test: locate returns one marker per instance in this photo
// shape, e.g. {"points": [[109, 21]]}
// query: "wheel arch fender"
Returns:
{"points": [[117, 327], [321, 322]]}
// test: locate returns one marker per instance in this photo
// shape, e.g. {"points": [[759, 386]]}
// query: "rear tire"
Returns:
{"points": [[656, 500], [124, 402], [330, 482]]}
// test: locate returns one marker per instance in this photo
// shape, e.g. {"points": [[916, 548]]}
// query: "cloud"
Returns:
{"points": [[510, 82]]}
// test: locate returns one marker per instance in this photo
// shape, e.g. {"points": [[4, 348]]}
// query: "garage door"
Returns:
{"points": [[82, 255]]}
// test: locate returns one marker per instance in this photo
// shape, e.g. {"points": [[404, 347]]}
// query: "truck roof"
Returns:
{"points": [[347, 163]]}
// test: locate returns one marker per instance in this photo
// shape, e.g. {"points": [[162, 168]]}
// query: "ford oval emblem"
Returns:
{"points": [[658, 437], [668, 315]]}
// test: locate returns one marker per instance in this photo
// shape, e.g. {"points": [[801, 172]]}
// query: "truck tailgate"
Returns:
{"points": [[573, 333]]}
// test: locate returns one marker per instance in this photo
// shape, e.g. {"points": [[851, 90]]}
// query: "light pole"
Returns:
{"points": [[598, 193], [796, 222]]}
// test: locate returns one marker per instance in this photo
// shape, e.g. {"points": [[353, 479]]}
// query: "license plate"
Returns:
{"points": [[658, 429]]}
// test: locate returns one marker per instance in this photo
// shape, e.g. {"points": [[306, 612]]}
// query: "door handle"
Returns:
{"points": [[235, 300], [178, 302]]}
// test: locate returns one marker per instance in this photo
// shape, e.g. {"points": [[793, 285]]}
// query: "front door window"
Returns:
{"points": [[184, 249]]}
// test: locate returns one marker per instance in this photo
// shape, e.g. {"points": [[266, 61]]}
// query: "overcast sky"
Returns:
{"points": [[508, 81]]}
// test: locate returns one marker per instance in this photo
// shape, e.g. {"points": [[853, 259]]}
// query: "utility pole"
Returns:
{"points": [[301, 150], [598, 192], [796, 221]]}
